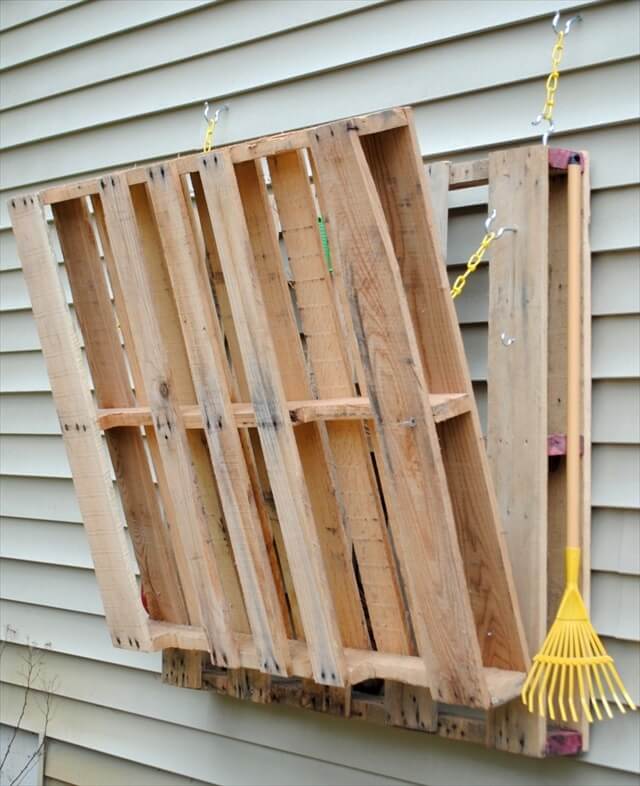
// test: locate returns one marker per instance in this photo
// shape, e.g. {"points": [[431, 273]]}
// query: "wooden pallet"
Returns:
{"points": [[298, 454], [527, 395]]}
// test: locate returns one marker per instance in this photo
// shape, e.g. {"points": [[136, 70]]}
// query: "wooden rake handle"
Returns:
{"points": [[574, 210]]}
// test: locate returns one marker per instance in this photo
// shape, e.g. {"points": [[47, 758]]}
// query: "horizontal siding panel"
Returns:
{"points": [[28, 413], [390, 752], [614, 743], [441, 123], [52, 542], [615, 541], [14, 294], [39, 498], [615, 411], [191, 752], [82, 23], [297, 55], [34, 456], [23, 372], [616, 347], [53, 586], [19, 12], [79, 767], [68, 632], [616, 283], [615, 605], [206, 29], [615, 476], [231, 25]]}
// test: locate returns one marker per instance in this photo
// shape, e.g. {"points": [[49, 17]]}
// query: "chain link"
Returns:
{"points": [[208, 136], [472, 265], [554, 76]]}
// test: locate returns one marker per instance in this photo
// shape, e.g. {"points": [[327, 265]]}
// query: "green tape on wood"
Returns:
{"points": [[325, 243]]}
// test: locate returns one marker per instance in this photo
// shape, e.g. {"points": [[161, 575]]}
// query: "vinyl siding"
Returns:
{"points": [[90, 85]]}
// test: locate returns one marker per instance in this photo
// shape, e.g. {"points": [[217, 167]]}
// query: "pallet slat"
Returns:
{"points": [[443, 406], [128, 252], [206, 355], [87, 456], [276, 433], [406, 431], [107, 363]]}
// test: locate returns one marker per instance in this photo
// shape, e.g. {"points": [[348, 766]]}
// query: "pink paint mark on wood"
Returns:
{"points": [[560, 158], [557, 445], [563, 742]]}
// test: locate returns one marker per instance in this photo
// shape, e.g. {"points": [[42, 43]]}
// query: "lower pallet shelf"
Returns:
{"points": [[383, 703]]}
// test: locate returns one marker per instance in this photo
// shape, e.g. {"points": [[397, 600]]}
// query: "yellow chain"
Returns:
{"points": [[474, 260], [554, 76], [208, 136]]}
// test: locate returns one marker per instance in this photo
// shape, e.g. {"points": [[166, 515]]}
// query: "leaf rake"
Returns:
{"points": [[573, 663]]}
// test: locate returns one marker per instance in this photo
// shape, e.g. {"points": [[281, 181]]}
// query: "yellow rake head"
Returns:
{"points": [[573, 663]]}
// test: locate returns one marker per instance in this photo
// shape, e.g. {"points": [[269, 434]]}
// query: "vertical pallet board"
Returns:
{"points": [[527, 278], [107, 362], [402, 186], [226, 210], [406, 431], [517, 422], [86, 452]]}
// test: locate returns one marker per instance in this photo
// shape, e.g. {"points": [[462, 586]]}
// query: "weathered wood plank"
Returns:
{"points": [[93, 307], [443, 406], [191, 525], [517, 423], [421, 519], [276, 432], [401, 183], [360, 665], [250, 439], [127, 620], [186, 579], [172, 339], [204, 345], [311, 439]]}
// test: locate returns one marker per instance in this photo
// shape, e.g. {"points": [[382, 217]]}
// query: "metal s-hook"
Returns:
{"points": [[550, 127], [212, 122], [507, 341], [216, 114], [502, 230], [568, 23]]}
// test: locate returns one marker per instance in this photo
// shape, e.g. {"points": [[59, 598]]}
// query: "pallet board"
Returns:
{"points": [[295, 444]]}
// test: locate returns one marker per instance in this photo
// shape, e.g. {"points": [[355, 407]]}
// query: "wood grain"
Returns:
{"points": [[420, 516], [88, 459], [274, 428]]}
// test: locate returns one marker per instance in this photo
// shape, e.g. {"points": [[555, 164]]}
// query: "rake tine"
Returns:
{"points": [[572, 706], [612, 690], [554, 673], [620, 684], [587, 652], [614, 671], [563, 679], [581, 680], [603, 697], [526, 690]]}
